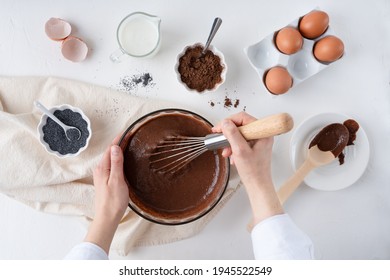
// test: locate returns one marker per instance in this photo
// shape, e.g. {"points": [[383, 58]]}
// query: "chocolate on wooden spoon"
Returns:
{"points": [[323, 149]]}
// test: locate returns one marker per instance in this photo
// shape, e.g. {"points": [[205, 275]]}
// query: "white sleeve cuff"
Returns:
{"points": [[278, 238], [86, 251]]}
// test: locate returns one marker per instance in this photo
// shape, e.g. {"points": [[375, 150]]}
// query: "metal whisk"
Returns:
{"points": [[175, 152]]}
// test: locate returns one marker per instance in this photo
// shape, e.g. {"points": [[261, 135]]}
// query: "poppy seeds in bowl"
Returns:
{"points": [[55, 137]]}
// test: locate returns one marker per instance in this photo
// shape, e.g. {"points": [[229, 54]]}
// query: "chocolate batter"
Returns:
{"points": [[177, 197], [335, 137]]}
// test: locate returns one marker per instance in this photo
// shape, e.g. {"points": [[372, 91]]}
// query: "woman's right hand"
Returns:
{"points": [[253, 162], [252, 159]]}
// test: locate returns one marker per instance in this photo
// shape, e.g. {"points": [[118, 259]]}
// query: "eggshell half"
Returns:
{"points": [[57, 29], [74, 49]]}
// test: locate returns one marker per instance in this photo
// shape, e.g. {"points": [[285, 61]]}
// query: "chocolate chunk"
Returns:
{"points": [[352, 127]]}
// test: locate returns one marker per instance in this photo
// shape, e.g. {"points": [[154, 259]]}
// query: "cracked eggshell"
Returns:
{"points": [[74, 49], [57, 29]]}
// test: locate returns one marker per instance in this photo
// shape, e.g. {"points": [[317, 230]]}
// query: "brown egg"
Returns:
{"points": [[314, 24], [328, 49], [288, 40], [278, 80]]}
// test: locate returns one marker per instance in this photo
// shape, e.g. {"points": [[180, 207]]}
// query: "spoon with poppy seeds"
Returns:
{"points": [[326, 146]]}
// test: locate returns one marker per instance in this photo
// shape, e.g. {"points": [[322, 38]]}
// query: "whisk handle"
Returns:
{"points": [[268, 126], [261, 128]]}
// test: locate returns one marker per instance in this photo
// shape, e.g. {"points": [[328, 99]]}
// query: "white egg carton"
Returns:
{"points": [[301, 65]]}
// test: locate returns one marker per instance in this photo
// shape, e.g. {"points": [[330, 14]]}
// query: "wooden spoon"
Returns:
{"points": [[325, 147]]}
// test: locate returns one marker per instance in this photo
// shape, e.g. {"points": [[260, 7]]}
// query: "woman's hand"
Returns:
{"points": [[253, 162], [252, 159], [112, 193], [111, 198]]}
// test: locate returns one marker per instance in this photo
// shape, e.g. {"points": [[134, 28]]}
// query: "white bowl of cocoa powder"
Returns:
{"points": [[201, 72]]}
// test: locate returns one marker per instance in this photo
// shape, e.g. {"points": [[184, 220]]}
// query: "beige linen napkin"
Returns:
{"points": [[64, 185]]}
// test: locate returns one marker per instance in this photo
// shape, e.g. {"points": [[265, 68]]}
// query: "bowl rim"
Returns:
{"points": [[216, 52], [43, 121], [191, 219]]}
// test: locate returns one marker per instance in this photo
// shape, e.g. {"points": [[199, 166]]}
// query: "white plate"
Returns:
{"points": [[332, 176]]}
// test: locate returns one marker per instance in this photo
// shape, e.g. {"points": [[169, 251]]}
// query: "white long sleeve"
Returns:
{"points": [[86, 251], [278, 238]]}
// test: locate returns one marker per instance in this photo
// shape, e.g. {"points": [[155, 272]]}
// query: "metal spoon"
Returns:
{"points": [[217, 23], [65, 127]]}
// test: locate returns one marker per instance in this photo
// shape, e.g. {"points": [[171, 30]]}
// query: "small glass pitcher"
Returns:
{"points": [[138, 35]]}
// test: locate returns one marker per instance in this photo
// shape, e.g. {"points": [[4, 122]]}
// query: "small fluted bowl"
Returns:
{"points": [[54, 139], [223, 64]]}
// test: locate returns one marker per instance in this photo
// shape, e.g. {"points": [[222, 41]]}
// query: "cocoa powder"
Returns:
{"points": [[228, 102], [200, 71]]}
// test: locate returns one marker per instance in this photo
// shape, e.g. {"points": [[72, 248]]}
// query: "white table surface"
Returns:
{"points": [[352, 223]]}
